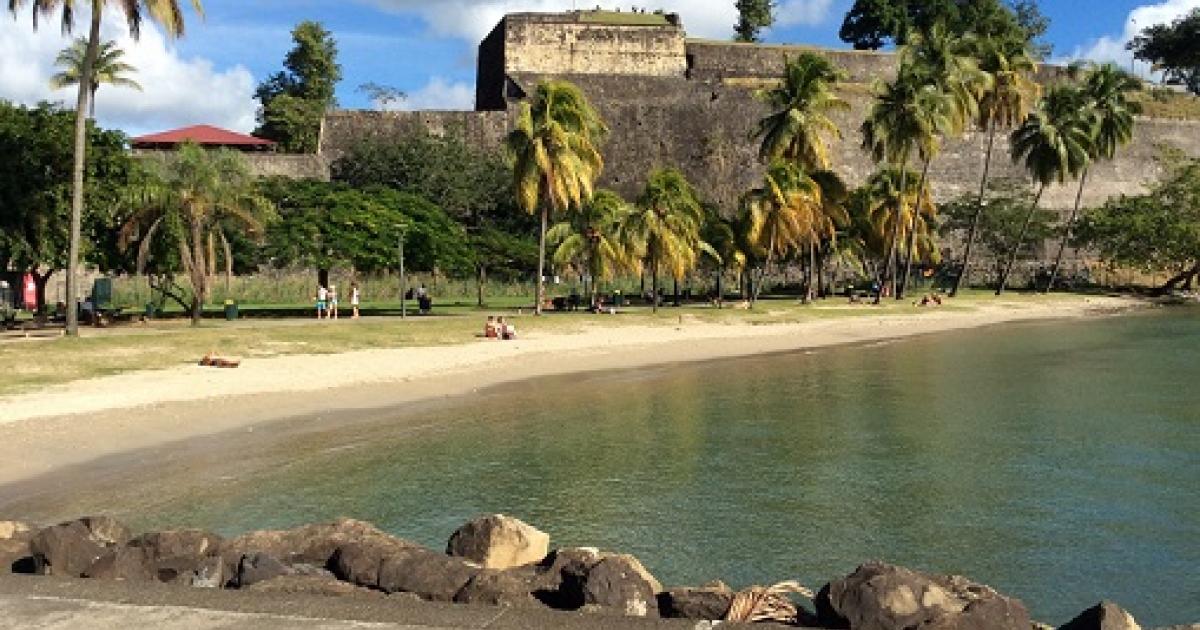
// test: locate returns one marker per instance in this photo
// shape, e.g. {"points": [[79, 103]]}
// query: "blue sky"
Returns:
{"points": [[426, 48]]}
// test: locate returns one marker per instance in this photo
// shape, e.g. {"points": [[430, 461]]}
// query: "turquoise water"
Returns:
{"points": [[1057, 462]]}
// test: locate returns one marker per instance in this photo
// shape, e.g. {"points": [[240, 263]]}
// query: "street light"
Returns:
{"points": [[403, 276]]}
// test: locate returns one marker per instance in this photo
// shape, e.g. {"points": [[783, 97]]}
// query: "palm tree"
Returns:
{"points": [[893, 202], [941, 61], [189, 199], [1007, 101], [166, 13], [554, 149], [785, 214], [664, 227], [590, 240], [905, 119], [1106, 89], [799, 122], [108, 68], [1055, 142]]}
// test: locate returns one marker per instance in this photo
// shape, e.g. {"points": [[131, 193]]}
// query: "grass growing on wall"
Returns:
{"points": [[623, 19]]}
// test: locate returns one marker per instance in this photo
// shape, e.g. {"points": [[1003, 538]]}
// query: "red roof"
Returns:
{"points": [[203, 135]]}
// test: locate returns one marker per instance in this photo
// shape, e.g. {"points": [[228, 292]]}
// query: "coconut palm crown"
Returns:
{"points": [[799, 125], [109, 69]]}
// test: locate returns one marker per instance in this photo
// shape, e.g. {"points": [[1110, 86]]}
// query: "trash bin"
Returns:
{"points": [[618, 299], [231, 310], [150, 310]]}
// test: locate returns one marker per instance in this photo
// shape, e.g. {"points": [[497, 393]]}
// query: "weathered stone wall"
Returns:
{"points": [[570, 44], [285, 165], [344, 129], [709, 60]]}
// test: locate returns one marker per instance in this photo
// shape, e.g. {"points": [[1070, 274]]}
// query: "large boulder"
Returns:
{"points": [[69, 549], [1103, 616], [620, 583], [710, 602], [190, 557], [14, 547], [425, 573], [512, 588], [359, 561], [560, 577], [310, 544], [879, 596], [499, 542]]}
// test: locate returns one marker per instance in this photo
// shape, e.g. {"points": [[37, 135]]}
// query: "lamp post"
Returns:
{"points": [[403, 278]]}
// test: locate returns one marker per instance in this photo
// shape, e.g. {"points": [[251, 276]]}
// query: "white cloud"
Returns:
{"points": [[438, 95], [802, 12], [473, 19], [1112, 47], [176, 91]]}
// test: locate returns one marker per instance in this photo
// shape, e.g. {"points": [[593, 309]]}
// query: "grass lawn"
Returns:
{"points": [[30, 364]]}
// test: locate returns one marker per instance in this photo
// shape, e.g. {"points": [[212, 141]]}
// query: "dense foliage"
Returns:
{"points": [[294, 100], [753, 17], [873, 24], [1173, 48]]}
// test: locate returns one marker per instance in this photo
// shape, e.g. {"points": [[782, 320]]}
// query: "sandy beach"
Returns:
{"points": [[70, 424]]}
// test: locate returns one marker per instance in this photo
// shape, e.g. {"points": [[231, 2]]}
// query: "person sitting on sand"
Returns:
{"points": [[507, 331], [937, 299], [925, 301], [489, 329]]}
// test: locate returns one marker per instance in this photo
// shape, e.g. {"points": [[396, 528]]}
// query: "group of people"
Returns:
{"points": [[497, 328], [327, 301]]}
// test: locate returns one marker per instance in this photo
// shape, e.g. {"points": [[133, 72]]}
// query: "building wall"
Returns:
{"points": [[568, 44]]}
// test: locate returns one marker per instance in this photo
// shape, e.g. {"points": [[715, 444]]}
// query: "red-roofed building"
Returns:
{"points": [[203, 135]]}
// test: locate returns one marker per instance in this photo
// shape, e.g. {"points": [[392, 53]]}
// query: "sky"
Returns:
{"points": [[424, 47]]}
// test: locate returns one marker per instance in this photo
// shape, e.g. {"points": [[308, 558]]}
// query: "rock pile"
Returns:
{"points": [[495, 560]]}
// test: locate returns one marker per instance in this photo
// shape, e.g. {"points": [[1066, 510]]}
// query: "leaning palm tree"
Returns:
{"points": [[799, 124], [554, 148], [108, 69], [1007, 101], [1106, 89], [1055, 143], [188, 199], [942, 61], [785, 214], [166, 13], [664, 227], [589, 241]]}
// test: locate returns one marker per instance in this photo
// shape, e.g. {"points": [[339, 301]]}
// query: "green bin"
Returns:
{"points": [[231, 310]]}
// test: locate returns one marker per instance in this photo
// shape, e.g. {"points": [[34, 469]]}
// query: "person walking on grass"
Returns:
{"points": [[322, 298], [354, 299], [333, 302]]}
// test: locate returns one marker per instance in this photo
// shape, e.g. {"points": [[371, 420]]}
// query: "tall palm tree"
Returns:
{"points": [[166, 13], [664, 227], [590, 241], [108, 69], [941, 61], [1007, 101], [555, 152], [1106, 88], [798, 125], [904, 120], [785, 214], [892, 201], [189, 199], [1055, 142]]}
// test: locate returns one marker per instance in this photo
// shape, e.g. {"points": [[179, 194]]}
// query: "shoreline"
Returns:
{"points": [[135, 411]]}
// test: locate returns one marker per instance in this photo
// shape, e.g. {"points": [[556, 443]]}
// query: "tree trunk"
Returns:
{"points": [[892, 242], [675, 298], [821, 284], [762, 276], [541, 279], [199, 274], [971, 233], [40, 281], [482, 280], [720, 291], [1187, 276], [810, 274], [654, 284], [1012, 257], [1067, 229], [81, 107], [912, 233]]}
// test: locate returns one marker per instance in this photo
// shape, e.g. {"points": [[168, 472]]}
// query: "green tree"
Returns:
{"points": [[997, 229], [872, 24], [589, 241], [555, 152], [1011, 93], [1172, 49], [664, 227], [35, 191], [191, 197], [1155, 232], [1055, 143], [108, 69], [169, 15], [1106, 90], [294, 100], [893, 203], [798, 124], [753, 17]]}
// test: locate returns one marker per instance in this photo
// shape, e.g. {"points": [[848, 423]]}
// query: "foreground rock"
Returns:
{"points": [[880, 596], [14, 546], [1103, 616], [70, 549], [499, 542], [188, 557], [709, 602]]}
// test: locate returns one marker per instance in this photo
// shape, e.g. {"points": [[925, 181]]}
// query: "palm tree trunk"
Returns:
{"points": [[720, 292], [971, 233], [1067, 229], [810, 274], [654, 283], [675, 297], [541, 279], [1012, 256], [763, 273], [199, 273], [482, 279], [85, 81], [912, 232], [887, 272], [92, 102]]}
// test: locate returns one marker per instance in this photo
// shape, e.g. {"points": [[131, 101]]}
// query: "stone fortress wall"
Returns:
{"points": [[674, 101]]}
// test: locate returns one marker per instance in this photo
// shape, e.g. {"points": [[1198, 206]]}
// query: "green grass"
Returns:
{"points": [[623, 19], [166, 343]]}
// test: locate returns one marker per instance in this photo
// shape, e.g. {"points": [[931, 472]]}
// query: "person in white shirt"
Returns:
{"points": [[354, 297], [322, 298]]}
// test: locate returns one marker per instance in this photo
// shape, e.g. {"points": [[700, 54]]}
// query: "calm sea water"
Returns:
{"points": [[1057, 462]]}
